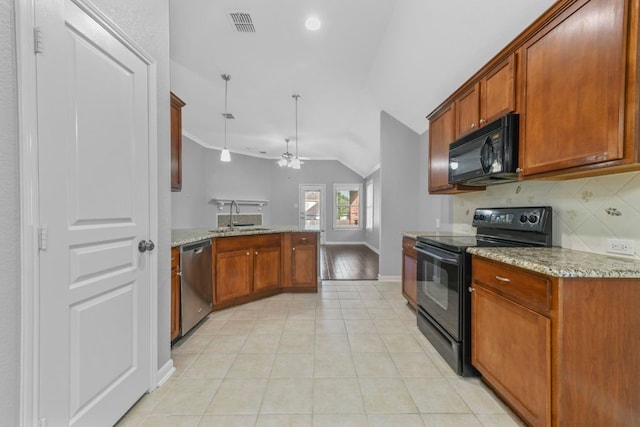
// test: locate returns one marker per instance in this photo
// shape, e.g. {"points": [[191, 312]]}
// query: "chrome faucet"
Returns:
{"points": [[231, 212]]}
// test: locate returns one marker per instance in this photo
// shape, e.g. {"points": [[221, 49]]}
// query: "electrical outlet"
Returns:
{"points": [[620, 246]]}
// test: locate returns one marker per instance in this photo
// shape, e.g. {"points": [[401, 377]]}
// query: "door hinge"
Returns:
{"points": [[43, 238], [37, 40]]}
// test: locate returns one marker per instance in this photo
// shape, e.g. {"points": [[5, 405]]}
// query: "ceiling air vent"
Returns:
{"points": [[228, 116], [242, 21]]}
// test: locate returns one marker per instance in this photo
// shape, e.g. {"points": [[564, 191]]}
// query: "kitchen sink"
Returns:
{"points": [[237, 229]]}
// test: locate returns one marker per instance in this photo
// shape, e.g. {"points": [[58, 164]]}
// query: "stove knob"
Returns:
{"points": [[476, 217], [523, 218], [533, 219], [481, 217]]}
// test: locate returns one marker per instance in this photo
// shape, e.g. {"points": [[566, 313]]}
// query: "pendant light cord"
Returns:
{"points": [[296, 97], [226, 83]]}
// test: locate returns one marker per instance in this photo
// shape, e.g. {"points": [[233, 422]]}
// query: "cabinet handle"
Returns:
{"points": [[503, 279], [303, 238], [293, 249], [473, 125], [471, 289], [518, 170], [482, 121], [248, 253], [256, 252], [179, 273]]}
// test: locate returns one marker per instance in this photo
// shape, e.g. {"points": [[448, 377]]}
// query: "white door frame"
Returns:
{"points": [[323, 209], [29, 196]]}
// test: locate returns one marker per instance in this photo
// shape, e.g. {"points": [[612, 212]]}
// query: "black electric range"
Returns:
{"points": [[444, 275]]}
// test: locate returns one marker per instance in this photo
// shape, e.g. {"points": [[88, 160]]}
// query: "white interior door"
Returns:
{"points": [[94, 144], [312, 208]]}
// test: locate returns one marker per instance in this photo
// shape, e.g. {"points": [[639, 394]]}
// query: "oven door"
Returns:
{"points": [[439, 282]]}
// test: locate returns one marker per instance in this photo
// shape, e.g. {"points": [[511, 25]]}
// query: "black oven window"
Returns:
{"points": [[436, 286]]}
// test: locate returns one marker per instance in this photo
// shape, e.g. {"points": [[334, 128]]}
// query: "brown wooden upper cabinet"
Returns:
{"points": [[441, 134], [491, 96], [176, 142], [580, 92]]}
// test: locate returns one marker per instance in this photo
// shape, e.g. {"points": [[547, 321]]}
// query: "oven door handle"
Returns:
{"points": [[453, 261]]}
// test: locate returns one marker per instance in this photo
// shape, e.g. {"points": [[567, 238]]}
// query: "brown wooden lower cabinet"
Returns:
{"points": [[304, 260], [250, 267], [409, 270], [175, 293], [559, 351]]}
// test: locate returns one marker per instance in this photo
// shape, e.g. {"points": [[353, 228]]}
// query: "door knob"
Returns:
{"points": [[144, 246]]}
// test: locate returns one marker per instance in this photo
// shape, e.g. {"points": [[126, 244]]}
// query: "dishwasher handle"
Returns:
{"points": [[196, 247]]}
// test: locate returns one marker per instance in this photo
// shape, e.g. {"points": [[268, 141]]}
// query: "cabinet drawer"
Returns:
{"points": [[298, 239], [408, 246], [527, 289], [246, 242]]}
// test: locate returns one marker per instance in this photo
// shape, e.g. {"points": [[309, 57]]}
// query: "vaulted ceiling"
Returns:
{"points": [[400, 56]]}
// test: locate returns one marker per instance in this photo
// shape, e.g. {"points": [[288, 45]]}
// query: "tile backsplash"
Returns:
{"points": [[586, 212]]}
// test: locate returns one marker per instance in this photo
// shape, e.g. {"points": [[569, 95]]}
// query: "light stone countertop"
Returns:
{"points": [[182, 236], [561, 262], [415, 234]]}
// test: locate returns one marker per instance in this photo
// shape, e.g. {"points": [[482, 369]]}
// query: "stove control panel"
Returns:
{"points": [[524, 218]]}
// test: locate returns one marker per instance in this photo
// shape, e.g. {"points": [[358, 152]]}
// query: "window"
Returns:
{"points": [[347, 205], [369, 205]]}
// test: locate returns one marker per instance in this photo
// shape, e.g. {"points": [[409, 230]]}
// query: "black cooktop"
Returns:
{"points": [[460, 242]]}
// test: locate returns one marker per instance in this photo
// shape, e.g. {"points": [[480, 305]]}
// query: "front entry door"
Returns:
{"points": [[94, 95], [312, 211]]}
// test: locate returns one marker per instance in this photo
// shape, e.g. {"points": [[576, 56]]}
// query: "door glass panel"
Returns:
{"points": [[312, 210]]}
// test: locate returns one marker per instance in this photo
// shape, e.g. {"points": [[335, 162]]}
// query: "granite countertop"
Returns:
{"points": [[561, 262], [415, 234], [182, 236]]}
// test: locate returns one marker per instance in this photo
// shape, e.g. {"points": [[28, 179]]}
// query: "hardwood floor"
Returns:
{"points": [[348, 262]]}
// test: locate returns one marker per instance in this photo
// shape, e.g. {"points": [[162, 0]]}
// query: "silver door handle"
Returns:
{"points": [[144, 246]]}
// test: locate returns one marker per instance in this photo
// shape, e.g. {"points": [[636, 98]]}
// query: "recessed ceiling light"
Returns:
{"points": [[313, 23]]}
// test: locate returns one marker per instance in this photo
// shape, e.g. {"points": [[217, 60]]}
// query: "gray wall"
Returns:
{"points": [[9, 223], [247, 177], [399, 164], [147, 22], [431, 207], [184, 213], [373, 236]]}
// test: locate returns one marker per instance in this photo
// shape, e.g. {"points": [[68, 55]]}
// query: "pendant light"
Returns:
{"points": [[225, 155], [295, 163]]}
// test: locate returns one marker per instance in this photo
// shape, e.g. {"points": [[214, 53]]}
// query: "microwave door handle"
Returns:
{"points": [[453, 261]]}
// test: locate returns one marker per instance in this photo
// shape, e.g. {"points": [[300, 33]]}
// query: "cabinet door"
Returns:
{"points": [[266, 268], [176, 142], [234, 272], [175, 293], [572, 95], [497, 89], [511, 347], [304, 266], [468, 111], [409, 278], [441, 134]]}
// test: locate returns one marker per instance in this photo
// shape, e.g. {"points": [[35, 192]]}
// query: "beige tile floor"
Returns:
{"points": [[350, 355]]}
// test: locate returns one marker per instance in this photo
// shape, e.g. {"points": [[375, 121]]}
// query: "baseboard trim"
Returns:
{"points": [[389, 278], [345, 243], [165, 372], [374, 249]]}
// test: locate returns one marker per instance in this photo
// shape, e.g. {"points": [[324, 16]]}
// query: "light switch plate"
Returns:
{"points": [[620, 246]]}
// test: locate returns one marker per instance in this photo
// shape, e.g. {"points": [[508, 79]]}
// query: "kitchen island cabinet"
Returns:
{"points": [[245, 265], [560, 347], [302, 270]]}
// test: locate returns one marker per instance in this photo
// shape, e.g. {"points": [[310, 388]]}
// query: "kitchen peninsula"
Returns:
{"points": [[249, 263]]}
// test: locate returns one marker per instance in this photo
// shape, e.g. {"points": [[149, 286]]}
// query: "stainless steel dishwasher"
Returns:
{"points": [[195, 287]]}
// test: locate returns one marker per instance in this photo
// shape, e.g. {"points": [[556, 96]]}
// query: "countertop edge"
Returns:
{"points": [[189, 235], [563, 263]]}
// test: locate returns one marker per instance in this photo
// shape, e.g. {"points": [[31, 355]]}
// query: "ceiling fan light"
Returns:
{"points": [[282, 162], [295, 163], [225, 155]]}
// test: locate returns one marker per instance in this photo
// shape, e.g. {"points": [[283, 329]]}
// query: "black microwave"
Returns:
{"points": [[486, 156]]}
